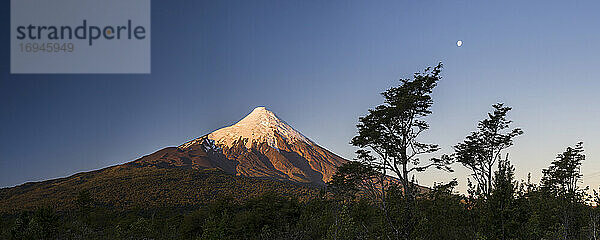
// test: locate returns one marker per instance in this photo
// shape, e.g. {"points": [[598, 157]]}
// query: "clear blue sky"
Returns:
{"points": [[319, 65]]}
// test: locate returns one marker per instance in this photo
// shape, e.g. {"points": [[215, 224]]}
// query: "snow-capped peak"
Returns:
{"points": [[261, 125]]}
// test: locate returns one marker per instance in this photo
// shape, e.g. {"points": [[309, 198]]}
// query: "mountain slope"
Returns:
{"points": [[260, 145], [124, 187]]}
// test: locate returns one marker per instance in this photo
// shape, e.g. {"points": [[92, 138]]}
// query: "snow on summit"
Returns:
{"points": [[261, 125], [245, 149]]}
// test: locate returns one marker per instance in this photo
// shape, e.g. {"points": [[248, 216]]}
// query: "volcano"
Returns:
{"points": [[260, 145]]}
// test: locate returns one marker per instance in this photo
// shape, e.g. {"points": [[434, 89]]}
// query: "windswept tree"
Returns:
{"points": [[564, 173], [560, 181], [481, 150], [391, 132]]}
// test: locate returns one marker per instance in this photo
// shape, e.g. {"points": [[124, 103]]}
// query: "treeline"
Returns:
{"points": [[530, 213], [374, 197], [270, 216]]}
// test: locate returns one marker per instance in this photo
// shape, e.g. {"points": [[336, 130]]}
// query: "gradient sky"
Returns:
{"points": [[318, 65]]}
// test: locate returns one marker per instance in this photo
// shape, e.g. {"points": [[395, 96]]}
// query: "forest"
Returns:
{"points": [[375, 196]]}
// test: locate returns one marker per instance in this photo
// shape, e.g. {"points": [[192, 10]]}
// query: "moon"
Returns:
{"points": [[459, 43]]}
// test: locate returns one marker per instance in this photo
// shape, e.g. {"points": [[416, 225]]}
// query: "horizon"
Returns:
{"points": [[318, 67]]}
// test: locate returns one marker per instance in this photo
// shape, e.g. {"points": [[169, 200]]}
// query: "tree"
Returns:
{"points": [[560, 181], [41, 224], [564, 173], [502, 211], [358, 178], [480, 151], [594, 216], [85, 204], [391, 131]]}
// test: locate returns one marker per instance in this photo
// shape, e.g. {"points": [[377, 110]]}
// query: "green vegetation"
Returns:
{"points": [[514, 211], [361, 202]]}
